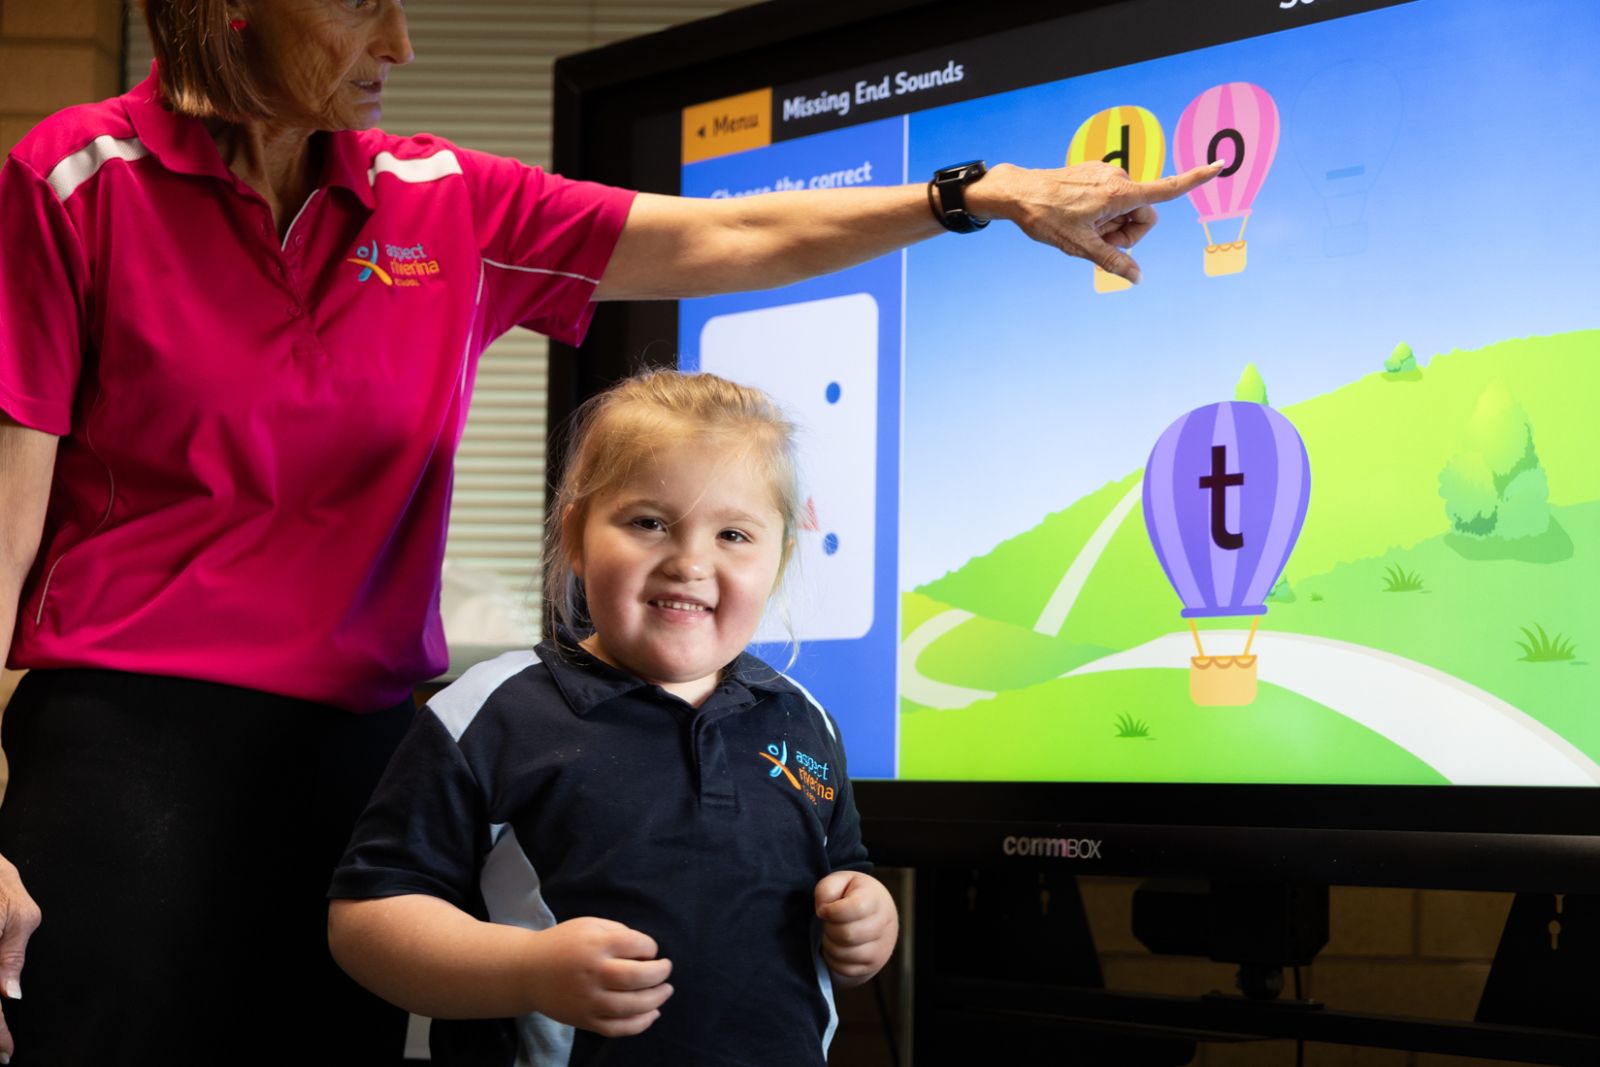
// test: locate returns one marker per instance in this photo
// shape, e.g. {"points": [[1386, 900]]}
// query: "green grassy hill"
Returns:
{"points": [[989, 584], [1067, 730], [1376, 446]]}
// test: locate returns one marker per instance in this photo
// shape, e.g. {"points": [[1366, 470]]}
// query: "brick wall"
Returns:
{"points": [[54, 53]]}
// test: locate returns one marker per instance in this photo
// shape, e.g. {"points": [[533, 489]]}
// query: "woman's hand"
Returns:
{"points": [[600, 975], [19, 918], [1091, 210], [859, 925], [673, 247]]}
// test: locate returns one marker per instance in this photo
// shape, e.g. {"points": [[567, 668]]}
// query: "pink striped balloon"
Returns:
{"points": [[1238, 124]]}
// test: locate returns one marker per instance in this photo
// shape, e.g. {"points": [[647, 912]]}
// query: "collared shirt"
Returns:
{"points": [[253, 481], [545, 786]]}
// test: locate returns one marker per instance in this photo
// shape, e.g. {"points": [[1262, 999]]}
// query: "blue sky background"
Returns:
{"points": [[1026, 390]]}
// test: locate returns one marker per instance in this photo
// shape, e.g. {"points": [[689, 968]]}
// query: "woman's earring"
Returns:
{"points": [[237, 25]]}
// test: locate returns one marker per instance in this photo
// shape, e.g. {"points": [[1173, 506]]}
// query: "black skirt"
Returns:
{"points": [[178, 837]]}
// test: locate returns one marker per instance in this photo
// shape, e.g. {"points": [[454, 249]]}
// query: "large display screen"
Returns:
{"points": [[1318, 502]]}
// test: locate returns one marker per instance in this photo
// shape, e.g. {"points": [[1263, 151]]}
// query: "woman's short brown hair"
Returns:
{"points": [[201, 62]]}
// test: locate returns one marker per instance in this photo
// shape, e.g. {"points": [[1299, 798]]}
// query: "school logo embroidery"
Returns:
{"points": [[407, 266], [809, 775], [366, 258]]}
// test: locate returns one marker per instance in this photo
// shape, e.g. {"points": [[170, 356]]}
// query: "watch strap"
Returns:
{"points": [[947, 196]]}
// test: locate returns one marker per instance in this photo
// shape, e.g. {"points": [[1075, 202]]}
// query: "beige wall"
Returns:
{"points": [[54, 53]]}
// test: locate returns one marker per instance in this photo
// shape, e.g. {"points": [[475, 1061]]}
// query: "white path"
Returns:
{"points": [[914, 685], [1059, 606], [1469, 736]]}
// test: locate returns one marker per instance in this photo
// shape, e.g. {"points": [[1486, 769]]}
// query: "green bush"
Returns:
{"points": [[1525, 506], [1401, 360], [1495, 486], [1470, 500], [1251, 389], [1498, 431]]}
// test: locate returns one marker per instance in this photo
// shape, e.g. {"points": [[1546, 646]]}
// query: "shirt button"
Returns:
{"points": [[294, 311], [299, 238]]}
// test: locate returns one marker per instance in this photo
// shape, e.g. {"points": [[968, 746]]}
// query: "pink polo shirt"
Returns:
{"points": [[253, 480]]}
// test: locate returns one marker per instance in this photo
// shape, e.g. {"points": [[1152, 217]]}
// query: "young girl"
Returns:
{"points": [[565, 828]]}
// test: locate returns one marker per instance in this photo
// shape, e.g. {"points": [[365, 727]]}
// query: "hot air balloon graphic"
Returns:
{"points": [[1238, 124], [1131, 138], [1225, 495], [1345, 124]]}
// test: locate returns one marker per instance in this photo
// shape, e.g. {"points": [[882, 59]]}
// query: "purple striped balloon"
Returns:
{"points": [[1225, 495], [1238, 124]]}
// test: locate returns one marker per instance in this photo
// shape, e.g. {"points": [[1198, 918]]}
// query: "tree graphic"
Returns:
{"points": [[1251, 389], [1401, 361], [1495, 486]]}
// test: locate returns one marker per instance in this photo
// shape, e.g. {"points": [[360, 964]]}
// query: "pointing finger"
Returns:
{"points": [[1164, 189]]}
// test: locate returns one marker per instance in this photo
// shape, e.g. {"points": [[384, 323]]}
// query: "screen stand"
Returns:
{"points": [[978, 933], [1262, 927], [1546, 971]]}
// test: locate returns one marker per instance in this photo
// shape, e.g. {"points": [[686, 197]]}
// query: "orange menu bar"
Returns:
{"points": [[732, 124]]}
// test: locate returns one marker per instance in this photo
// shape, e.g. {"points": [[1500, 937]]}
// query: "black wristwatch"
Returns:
{"points": [[947, 196]]}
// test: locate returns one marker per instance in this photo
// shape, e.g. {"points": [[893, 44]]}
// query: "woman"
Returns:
{"points": [[236, 347]]}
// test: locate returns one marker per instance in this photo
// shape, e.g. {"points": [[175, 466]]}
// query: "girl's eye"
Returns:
{"points": [[647, 522], [736, 536]]}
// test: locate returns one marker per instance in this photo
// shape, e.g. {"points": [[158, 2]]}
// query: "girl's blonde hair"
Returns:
{"points": [[618, 431]]}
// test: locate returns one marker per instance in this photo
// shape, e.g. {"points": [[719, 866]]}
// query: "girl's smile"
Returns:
{"points": [[677, 565]]}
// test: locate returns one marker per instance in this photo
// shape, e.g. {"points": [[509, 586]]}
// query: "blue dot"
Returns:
{"points": [[833, 392], [830, 544]]}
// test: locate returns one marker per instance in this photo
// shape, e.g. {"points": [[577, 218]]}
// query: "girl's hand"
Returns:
{"points": [[600, 975], [859, 925]]}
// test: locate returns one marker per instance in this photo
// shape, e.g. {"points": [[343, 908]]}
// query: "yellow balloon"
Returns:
{"points": [[1131, 138], [1128, 136]]}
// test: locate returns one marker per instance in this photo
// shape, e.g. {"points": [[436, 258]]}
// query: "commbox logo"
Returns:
{"points": [[1066, 848]]}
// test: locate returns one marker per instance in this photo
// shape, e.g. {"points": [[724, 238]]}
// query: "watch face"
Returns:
{"points": [[960, 173]]}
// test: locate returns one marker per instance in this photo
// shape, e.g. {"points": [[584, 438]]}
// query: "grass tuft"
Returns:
{"points": [[1128, 726], [1396, 579], [1541, 647]]}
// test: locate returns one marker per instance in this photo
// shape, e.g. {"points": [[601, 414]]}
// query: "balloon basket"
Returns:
{"points": [[1106, 282], [1224, 259], [1222, 681]]}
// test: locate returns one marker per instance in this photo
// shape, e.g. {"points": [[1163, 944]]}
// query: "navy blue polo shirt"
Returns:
{"points": [[546, 785]]}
